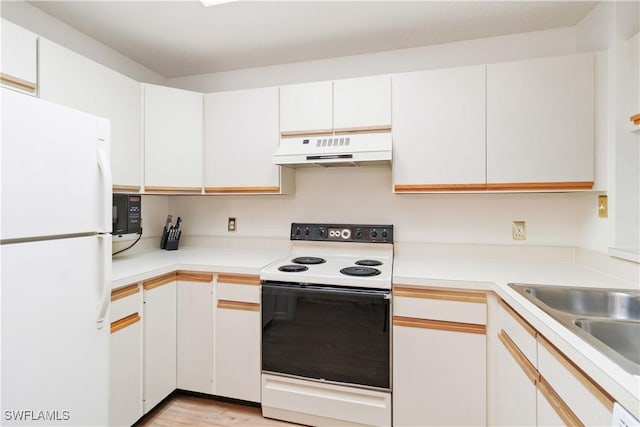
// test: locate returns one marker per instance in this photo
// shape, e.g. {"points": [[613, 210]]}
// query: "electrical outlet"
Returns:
{"points": [[232, 224], [518, 230], [603, 207]]}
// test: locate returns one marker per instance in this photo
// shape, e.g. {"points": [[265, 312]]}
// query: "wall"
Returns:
{"points": [[364, 195], [35, 20], [469, 52]]}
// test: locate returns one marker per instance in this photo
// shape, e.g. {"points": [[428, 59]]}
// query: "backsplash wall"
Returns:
{"points": [[364, 195]]}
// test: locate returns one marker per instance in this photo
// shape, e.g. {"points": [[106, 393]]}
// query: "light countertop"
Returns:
{"points": [[127, 269]]}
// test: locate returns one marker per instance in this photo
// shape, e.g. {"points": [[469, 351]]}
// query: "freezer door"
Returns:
{"points": [[55, 357], [56, 173]]}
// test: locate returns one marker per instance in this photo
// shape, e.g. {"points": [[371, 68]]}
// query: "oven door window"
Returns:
{"points": [[327, 333]]}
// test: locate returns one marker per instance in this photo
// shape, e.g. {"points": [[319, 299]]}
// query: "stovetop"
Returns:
{"points": [[337, 254]]}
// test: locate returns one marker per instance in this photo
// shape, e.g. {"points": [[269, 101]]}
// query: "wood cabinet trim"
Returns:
{"points": [[558, 405], [194, 276], [158, 189], [530, 329], [569, 185], [416, 188], [309, 133], [242, 190], [440, 325], [520, 358], [159, 281], [126, 189], [362, 129], [124, 292], [411, 291], [595, 389], [239, 305], [239, 279], [17, 82], [124, 322]]}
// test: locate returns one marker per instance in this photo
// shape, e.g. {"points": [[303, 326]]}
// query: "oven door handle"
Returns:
{"points": [[381, 293]]}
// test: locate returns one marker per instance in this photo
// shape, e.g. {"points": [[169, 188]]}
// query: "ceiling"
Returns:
{"points": [[180, 38]]}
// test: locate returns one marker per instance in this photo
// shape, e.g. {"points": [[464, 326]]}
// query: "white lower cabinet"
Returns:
{"points": [[159, 339], [551, 392], [516, 384], [237, 337], [439, 364], [195, 324], [125, 362]]}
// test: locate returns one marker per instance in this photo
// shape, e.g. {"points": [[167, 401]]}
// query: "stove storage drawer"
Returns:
{"points": [[439, 356]]}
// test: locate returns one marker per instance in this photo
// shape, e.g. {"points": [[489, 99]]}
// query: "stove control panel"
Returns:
{"points": [[342, 232]]}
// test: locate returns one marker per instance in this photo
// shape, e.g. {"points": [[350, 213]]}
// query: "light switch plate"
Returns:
{"points": [[603, 206], [232, 224]]}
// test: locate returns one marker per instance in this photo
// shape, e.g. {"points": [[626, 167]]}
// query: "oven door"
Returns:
{"points": [[327, 333]]}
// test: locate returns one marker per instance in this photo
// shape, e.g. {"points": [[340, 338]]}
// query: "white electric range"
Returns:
{"points": [[326, 326]]}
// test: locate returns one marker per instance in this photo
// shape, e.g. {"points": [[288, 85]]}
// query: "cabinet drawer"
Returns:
{"points": [[125, 301], [588, 401], [241, 288], [521, 333], [440, 304]]}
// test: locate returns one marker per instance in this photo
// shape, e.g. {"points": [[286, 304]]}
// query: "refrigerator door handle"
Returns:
{"points": [[105, 279], [104, 164]]}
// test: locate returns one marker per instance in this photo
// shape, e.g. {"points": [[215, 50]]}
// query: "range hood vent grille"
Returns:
{"points": [[352, 150]]}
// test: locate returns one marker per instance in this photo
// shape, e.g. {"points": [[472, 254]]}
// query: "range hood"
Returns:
{"points": [[335, 150]]}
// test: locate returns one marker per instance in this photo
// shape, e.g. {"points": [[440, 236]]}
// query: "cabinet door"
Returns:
{"points": [[238, 332], [516, 400], [238, 156], [439, 356], [125, 388], [159, 339], [439, 377], [362, 104], [439, 130], [70, 79], [540, 123], [19, 57], [306, 109], [172, 139], [195, 332]]}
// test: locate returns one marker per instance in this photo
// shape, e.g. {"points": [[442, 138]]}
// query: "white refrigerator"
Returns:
{"points": [[55, 262]]}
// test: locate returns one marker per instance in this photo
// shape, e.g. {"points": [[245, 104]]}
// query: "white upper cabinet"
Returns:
{"points": [[306, 108], [540, 123], [172, 140], [348, 105], [241, 134], [439, 130], [19, 58], [75, 81], [361, 104]]}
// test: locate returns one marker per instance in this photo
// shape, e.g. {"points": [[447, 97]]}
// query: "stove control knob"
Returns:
{"points": [[306, 231], [322, 232], [385, 234], [297, 231], [359, 234], [374, 233]]}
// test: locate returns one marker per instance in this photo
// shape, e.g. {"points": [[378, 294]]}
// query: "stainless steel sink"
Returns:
{"points": [[619, 335], [589, 302], [608, 319]]}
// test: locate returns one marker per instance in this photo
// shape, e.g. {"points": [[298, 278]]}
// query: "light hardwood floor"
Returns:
{"points": [[191, 411]]}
